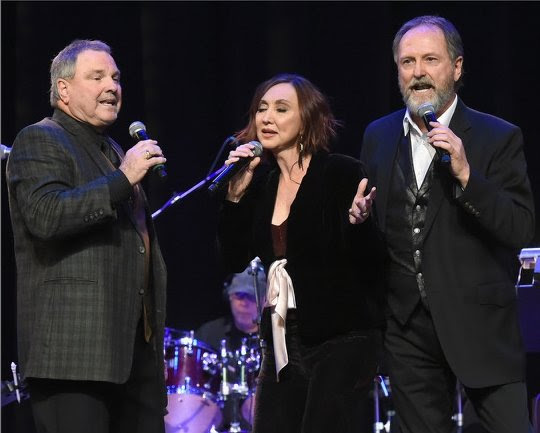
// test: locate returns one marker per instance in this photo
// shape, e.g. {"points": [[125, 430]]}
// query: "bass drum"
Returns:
{"points": [[192, 390]]}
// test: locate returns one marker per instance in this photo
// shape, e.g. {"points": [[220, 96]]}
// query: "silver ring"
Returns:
{"points": [[364, 214], [147, 154]]}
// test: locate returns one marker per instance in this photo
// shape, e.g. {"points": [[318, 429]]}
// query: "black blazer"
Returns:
{"points": [[333, 264], [471, 242], [79, 256]]}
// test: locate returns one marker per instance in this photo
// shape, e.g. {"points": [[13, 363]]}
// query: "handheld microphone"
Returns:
{"points": [[228, 173], [138, 131], [427, 112], [4, 151], [255, 266]]}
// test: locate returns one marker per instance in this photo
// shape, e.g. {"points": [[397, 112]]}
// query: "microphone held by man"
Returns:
{"points": [[138, 131], [427, 112]]}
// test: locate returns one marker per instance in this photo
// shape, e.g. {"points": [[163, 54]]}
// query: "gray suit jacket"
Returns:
{"points": [[80, 259]]}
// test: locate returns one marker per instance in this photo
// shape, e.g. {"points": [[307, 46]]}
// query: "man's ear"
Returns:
{"points": [[458, 68], [63, 90]]}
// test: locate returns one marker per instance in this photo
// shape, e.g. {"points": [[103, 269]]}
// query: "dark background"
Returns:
{"points": [[189, 70]]}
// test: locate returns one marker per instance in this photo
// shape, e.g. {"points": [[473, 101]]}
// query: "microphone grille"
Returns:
{"points": [[258, 149], [425, 108], [136, 127]]}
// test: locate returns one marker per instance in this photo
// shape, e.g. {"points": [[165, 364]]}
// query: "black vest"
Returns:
{"points": [[405, 222]]}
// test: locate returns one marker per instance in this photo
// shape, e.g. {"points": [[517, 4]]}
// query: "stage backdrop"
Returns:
{"points": [[189, 70]]}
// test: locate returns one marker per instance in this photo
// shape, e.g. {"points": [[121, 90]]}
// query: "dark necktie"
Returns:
{"points": [[109, 152]]}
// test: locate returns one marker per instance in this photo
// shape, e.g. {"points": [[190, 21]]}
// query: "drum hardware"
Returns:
{"points": [[14, 390], [381, 388], [458, 416], [210, 363], [190, 342], [238, 372], [224, 368]]}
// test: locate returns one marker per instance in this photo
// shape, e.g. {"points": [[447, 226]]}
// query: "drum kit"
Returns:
{"points": [[208, 391]]}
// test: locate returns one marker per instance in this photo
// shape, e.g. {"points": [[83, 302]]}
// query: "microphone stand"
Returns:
{"points": [[180, 196], [210, 176], [256, 266]]}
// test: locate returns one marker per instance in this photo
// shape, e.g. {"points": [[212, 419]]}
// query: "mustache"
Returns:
{"points": [[421, 83]]}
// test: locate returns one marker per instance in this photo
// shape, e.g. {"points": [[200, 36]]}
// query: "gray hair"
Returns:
{"points": [[454, 45], [63, 65]]}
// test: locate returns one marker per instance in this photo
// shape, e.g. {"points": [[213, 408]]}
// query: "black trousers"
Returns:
{"points": [[323, 388], [424, 386], [72, 406]]}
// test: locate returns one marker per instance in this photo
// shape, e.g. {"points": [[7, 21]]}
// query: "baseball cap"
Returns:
{"points": [[243, 282]]}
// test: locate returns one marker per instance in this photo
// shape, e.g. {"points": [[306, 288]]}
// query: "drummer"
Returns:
{"points": [[242, 320]]}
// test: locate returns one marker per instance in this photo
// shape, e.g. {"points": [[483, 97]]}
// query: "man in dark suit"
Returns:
{"points": [[453, 231], [91, 278]]}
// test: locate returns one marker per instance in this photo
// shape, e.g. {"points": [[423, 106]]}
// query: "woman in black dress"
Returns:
{"points": [[322, 318]]}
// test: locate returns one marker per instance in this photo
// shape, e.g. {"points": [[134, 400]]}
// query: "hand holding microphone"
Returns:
{"points": [[427, 112], [244, 156], [145, 155], [138, 131], [457, 164]]}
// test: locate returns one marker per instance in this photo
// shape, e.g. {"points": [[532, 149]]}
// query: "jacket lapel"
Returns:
{"points": [[459, 125], [385, 164], [86, 140]]}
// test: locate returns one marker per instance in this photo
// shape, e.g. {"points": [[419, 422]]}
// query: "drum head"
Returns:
{"points": [[191, 413]]}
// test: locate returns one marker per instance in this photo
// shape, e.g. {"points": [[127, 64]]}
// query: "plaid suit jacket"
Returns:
{"points": [[80, 259]]}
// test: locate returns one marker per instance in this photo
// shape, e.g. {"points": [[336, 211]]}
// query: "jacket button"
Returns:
{"points": [[141, 292], [416, 230], [142, 250]]}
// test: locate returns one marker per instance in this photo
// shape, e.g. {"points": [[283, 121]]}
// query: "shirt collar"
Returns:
{"points": [[443, 120]]}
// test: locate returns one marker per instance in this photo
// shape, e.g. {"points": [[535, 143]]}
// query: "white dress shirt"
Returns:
{"points": [[422, 151]]}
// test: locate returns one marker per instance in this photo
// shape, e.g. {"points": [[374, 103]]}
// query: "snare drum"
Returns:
{"points": [[191, 388]]}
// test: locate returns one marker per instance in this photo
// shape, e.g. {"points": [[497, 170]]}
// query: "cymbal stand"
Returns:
{"points": [[224, 358], [239, 390]]}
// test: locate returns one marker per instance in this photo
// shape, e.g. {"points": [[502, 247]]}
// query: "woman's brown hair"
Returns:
{"points": [[319, 124]]}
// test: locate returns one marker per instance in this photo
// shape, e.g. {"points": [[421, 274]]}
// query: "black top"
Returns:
{"points": [[335, 266]]}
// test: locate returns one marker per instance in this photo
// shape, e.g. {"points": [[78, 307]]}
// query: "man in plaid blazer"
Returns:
{"points": [[91, 278]]}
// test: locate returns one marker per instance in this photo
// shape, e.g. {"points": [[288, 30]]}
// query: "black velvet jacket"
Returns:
{"points": [[335, 266]]}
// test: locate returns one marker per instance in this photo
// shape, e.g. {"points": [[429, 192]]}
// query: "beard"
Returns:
{"points": [[441, 97]]}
